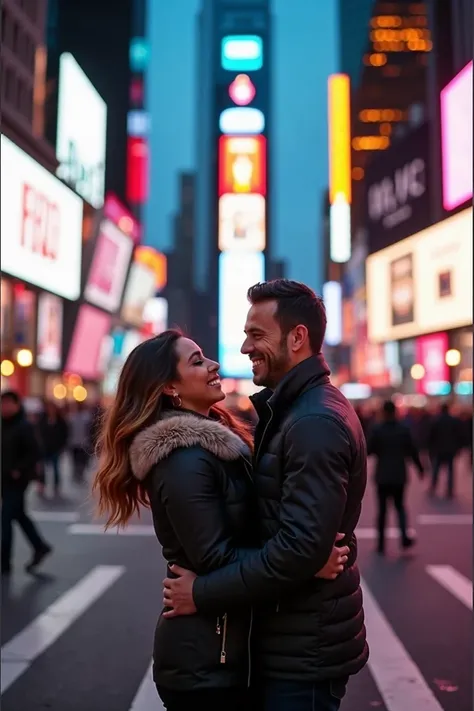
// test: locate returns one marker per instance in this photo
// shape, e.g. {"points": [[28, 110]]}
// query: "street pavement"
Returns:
{"points": [[78, 636]]}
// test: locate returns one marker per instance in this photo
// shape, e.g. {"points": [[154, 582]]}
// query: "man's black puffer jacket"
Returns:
{"points": [[198, 477], [310, 472]]}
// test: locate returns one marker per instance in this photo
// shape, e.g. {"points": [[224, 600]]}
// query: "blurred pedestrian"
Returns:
{"points": [[53, 432], [445, 442], [20, 455], [79, 420], [391, 442]]}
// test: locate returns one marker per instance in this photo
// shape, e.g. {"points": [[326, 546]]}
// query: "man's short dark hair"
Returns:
{"points": [[297, 304]]}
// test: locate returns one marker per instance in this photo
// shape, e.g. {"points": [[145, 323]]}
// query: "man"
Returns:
{"points": [[310, 473], [392, 444], [445, 442], [20, 456]]}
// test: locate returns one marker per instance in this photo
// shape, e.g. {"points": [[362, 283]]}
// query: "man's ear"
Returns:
{"points": [[298, 338]]}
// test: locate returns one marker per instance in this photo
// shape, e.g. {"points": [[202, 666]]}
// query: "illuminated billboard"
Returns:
{"points": [[81, 134], [340, 188], [41, 224], [422, 284], [242, 162], [456, 134], [242, 222], [242, 53], [332, 297], [242, 91], [238, 271], [242, 121]]}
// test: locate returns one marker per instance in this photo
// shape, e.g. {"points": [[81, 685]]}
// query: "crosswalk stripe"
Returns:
{"points": [[396, 675], [97, 529], [147, 696], [445, 519], [453, 582], [55, 516], [371, 534], [21, 651]]}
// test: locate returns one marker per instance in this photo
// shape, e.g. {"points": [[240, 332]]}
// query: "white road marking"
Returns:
{"points": [[21, 651], [396, 675], [97, 529], [371, 534], [147, 698], [55, 516], [453, 582], [445, 519]]}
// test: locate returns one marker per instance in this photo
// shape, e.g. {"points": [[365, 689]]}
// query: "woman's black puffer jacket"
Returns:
{"points": [[198, 477]]}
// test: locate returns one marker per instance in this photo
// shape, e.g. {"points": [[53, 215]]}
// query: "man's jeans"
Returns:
{"points": [[303, 696]]}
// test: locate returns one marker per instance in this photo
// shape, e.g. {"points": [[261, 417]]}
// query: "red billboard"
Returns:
{"points": [[242, 164]]}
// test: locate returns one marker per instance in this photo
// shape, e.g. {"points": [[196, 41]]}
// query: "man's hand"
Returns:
{"points": [[336, 562], [178, 593]]}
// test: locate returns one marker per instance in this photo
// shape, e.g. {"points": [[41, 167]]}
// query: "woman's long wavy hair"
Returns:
{"points": [[139, 402]]}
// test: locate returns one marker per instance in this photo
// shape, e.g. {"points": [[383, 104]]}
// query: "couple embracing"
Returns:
{"points": [[262, 600]]}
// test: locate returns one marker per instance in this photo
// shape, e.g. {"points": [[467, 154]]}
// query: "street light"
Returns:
{"points": [[453, 357], [417, 371]]}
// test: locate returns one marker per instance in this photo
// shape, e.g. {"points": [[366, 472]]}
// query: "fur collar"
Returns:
{"points": [[176, 430]]}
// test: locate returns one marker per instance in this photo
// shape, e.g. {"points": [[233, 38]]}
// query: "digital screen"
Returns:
{"points": [[242, 222], [109, 268], [43, 221], [332, 297], [422, 284], [155, 316], [139, 54], [49, 332], [456, 134], [242, 162], [86, 355], [431, 354], [238, 271], [140, 287], [242, 121], [242, 53], [242, 91], [117, 213], [137, 170], [81, 135]]}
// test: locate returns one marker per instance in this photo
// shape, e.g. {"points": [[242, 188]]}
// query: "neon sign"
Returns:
{"points": [[242, 91], [242, 162]]}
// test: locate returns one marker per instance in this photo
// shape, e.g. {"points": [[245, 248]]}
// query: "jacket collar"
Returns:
{"points": [[177, 429], [307, 374]]}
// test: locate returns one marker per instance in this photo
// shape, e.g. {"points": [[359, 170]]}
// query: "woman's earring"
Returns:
{"points": [[176, 400]]}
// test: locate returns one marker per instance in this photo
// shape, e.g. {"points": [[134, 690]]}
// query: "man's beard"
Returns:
{"points": [[278, 365]]}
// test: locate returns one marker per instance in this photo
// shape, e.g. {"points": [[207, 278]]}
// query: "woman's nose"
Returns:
{"points": [[213, 366]]}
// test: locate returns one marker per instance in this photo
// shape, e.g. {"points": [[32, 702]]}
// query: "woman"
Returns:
{"points": [[167, 444]]}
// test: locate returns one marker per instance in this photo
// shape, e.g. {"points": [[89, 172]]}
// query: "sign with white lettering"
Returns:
{"points": [[41, 222], [81, 135], [398, 191]]}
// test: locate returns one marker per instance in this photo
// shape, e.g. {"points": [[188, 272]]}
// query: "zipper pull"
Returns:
{"points": [[218, 626], [223, 656]]}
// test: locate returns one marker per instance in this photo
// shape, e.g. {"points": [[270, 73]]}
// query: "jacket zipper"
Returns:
{"points": [[224, 639], [264, 431]]}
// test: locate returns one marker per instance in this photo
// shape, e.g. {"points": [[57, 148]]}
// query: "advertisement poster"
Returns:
{"points": [[24, 321], [109, 268], [86, 354], [242, 222], [431, 354], [43, 220], [5, 312], [242, 162], [424, 283], [49, 332], [140, 287]]}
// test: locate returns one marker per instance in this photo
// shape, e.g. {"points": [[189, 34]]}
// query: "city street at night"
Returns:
{"points": [[78, 636]]}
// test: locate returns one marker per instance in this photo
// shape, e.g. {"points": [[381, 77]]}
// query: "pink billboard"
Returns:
{"points": [[456, 139], [86, 353], [431, 354]]}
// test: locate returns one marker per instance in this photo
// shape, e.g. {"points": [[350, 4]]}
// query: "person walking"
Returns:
{"points": [[445, 442], [20, 456], [392, 443], [310, 473]]}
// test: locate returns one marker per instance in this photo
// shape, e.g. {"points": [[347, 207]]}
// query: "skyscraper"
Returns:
{"points": [[233, 139]]}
